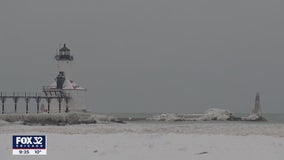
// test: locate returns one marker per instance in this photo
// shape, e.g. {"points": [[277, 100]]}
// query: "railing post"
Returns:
{"points": [[3, 105], [15, 98], [3, 99], [27, 104], [3, 108], [38, 98], [59, 103], [15, 101], [27, 99], [48, 104], [67, 107]]}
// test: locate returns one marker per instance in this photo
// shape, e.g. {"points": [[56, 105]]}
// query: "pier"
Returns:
{"points": [[47, 95]]}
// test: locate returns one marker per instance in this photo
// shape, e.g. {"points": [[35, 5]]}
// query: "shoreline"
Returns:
{"points": [[204, 128]]}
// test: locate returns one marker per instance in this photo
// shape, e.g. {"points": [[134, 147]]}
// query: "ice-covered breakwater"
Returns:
{"points": [[58, 118], [210, 115]]}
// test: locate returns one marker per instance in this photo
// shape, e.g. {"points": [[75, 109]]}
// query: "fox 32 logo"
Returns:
{"points": [[29, 145]]}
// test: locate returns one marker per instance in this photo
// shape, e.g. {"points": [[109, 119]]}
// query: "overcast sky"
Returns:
{"points": [[179, 56]]}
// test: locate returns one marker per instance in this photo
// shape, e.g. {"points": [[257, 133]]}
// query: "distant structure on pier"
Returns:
{"points": [[257, 110], [256, 113], [65, 84]]}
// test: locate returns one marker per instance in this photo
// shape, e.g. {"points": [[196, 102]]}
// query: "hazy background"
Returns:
{"points": [[150, 55]]}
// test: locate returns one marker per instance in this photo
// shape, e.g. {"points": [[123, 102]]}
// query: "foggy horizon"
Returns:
{"points": [[150, 56]]}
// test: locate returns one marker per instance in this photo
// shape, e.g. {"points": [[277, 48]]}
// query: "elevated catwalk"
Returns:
{"points": [[57, 94]]}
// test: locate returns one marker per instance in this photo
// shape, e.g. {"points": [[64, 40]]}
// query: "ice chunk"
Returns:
{"points": [[216, 114], [253, 117], [165, 117]]}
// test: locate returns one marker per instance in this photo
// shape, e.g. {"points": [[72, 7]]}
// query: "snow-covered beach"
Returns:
{"points": [[153, 140]]}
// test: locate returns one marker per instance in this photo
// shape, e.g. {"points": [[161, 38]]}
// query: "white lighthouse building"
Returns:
{"points": [[64, 82]]}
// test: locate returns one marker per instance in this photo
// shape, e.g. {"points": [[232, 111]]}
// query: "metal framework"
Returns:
{"points": [[49, 94]]}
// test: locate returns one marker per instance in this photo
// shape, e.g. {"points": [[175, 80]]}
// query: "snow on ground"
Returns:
{"points": [[153, 141], [121, 146]]}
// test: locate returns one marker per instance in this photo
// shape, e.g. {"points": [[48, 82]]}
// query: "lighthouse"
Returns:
{"points": [[64, 83]]}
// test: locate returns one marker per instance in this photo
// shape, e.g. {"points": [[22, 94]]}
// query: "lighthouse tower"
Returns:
{"points": [[64, 59], [64, 82]]}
